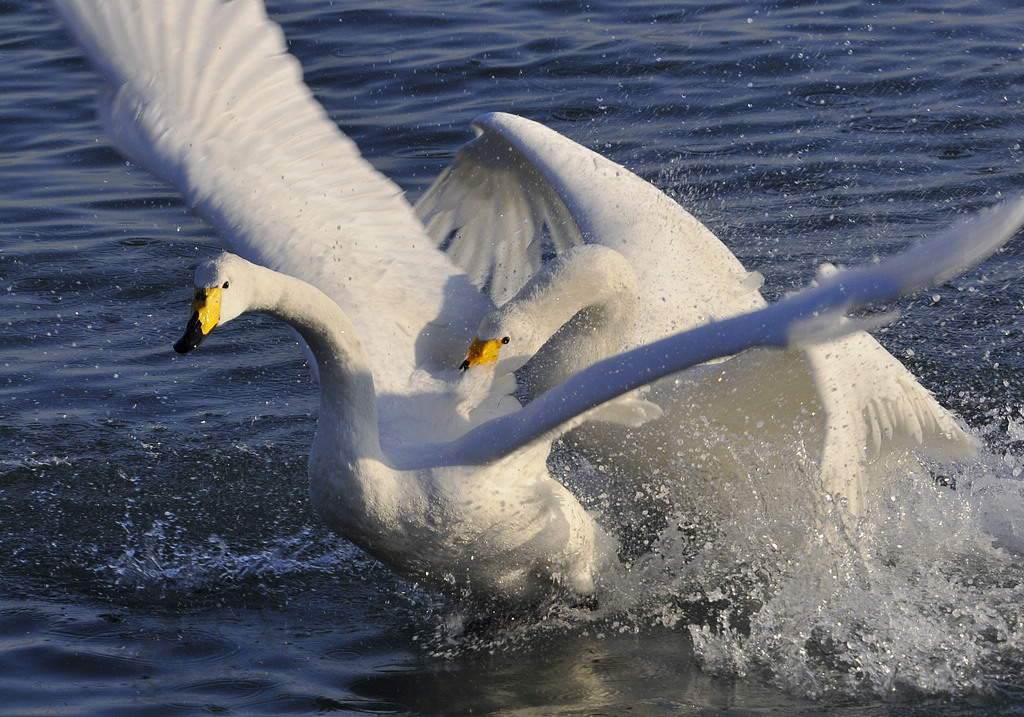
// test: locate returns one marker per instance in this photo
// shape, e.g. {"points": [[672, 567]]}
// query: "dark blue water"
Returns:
{"points": [[157, 551]]}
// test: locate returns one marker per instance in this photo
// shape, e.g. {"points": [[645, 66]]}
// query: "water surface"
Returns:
{"points": [[158, 551]]}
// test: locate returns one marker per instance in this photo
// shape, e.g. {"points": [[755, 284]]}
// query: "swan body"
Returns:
{"points": [[521, 180], [481, 512], [505, 531]]}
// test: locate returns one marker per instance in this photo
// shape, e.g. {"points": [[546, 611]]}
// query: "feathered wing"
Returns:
{"points": [[205, 95], [520, 180], [519, 190], [871, 400], [796, 321], [496, 216]]}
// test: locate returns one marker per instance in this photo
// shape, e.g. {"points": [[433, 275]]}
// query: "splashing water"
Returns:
{"points": [[922, 595], [925, 593]]}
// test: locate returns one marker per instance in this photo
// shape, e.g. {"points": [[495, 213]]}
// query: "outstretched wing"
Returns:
{"points": [[780, 325], [205, 95], [519, 191]]}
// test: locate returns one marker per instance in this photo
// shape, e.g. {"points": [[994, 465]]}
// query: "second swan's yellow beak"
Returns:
{"points": [[205, 317], [481, 352]]}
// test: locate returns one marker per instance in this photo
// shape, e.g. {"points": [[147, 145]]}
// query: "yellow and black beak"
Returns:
{"points": [[205, 316], [481, 352]]}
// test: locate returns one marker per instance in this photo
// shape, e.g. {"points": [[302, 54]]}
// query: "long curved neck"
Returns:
{"points": [[353, 486], [348, 402], [583, 306]]}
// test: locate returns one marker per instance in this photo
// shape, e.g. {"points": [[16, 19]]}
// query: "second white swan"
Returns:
{"points": [[844, 403]]}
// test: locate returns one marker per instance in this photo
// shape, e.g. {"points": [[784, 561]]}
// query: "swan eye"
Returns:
{"points": [[225, 285], [505, 339]]}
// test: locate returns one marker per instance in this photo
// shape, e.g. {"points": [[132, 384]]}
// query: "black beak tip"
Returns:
{"points": [[183, 345], [193, 336]]}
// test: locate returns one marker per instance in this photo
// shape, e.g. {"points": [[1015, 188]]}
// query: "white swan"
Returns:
{"points": [[519, 185], [504, 531], [205, 95], [583, 303], [480, 514]]}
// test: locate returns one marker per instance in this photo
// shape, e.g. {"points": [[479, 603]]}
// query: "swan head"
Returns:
{"points": [[506, 339], [483, 352], [579, 307], [220, 296]]}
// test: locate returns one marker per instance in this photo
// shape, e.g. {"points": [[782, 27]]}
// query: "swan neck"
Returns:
{"points": [[348, 402], [584, 305]]}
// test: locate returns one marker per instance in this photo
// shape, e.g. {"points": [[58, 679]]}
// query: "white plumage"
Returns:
{"points": [[205, 95], [865, 400]]}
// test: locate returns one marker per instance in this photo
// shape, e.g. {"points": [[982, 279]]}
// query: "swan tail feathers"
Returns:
{"points": [[874, 407], [855, 372]]}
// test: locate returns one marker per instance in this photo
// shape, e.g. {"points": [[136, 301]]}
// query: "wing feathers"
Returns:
{"points": [[205, 95]]}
